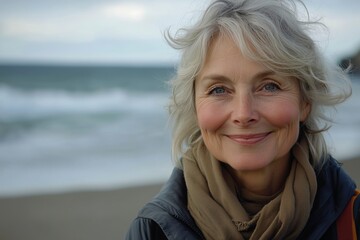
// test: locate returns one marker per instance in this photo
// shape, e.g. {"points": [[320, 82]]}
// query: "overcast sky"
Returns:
{"points": [[131, 31]]}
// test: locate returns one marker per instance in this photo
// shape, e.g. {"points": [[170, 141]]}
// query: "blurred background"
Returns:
{"points": [[83, 90]]}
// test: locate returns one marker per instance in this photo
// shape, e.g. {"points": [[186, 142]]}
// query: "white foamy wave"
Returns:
{"points": [[20, 104]]}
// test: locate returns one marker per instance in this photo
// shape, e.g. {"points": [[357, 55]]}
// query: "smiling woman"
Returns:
{"points": [[248, 121]]}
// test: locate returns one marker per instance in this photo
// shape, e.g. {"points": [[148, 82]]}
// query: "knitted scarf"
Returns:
{"points": [[215, 206]]}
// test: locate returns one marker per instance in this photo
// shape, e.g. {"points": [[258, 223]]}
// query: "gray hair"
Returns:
{"points": [[270, 33]]}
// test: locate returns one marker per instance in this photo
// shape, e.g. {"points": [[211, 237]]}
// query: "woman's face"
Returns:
{"points": [[248, 115]]}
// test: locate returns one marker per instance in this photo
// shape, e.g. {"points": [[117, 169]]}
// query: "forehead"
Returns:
{"points": [[224, 57]]}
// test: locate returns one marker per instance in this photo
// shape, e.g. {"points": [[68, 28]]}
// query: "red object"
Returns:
{"points": [[345, 225]]}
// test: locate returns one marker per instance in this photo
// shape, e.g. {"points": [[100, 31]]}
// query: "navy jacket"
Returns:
{"points": [[167, 217]]}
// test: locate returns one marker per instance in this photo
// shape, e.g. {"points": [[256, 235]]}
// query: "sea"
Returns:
{"points": [[71, 128]]}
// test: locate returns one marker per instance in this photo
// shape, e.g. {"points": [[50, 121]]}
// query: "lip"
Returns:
{"points": [[249, 139]]}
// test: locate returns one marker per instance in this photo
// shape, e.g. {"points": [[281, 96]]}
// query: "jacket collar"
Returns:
{"points": [[173, 199], [335, 188]]}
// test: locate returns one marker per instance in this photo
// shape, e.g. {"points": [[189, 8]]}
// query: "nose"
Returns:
{"points": [[244, 112]]}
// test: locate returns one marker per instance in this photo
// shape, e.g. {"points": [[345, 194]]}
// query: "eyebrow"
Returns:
{"points": [[215, 76]]}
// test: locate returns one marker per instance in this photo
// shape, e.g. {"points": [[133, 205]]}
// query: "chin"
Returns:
{"points": [[248, 164]]}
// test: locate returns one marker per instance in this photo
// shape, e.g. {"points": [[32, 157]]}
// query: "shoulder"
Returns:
{"points": [[167, 213], [144, 228], [335, 189], [332, 176]]}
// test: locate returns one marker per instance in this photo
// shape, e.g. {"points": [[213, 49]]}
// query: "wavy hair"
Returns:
{"points": [[271, 33]]}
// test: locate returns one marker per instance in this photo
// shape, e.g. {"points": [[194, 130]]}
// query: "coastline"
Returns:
{"points": [[103, 214]]}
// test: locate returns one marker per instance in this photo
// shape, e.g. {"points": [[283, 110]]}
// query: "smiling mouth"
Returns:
{"points": [[248, 139]]}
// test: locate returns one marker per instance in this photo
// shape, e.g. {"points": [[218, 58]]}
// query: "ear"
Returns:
{"points": [[305, 111]]}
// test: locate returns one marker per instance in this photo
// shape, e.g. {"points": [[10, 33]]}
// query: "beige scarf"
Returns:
{"points": [[213, 201]]}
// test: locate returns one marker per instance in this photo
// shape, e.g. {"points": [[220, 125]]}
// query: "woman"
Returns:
{"points": [[248, 121]]}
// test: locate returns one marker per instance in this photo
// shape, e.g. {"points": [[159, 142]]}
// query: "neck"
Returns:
{"points": [[266, 181]]}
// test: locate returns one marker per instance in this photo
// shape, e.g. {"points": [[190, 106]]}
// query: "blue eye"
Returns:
{"points": [[271, 87], [217, 91]]}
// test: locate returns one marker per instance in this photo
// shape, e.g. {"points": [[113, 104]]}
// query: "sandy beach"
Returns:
{"points": [[84, 215]]}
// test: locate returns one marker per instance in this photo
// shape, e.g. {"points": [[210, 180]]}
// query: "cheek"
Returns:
{"points": [[285, 114], [210, 116], [286, 119]]}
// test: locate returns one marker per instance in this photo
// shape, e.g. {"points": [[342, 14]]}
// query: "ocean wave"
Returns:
{"points": [[17, 104]]}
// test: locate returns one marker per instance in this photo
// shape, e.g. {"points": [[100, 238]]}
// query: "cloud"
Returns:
{"points": [[103, 20], [42, 31], [124, 11], [110, 21], [342, 20], [64, 26]]}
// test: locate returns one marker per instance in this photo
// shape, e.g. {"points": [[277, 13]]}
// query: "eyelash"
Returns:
{"points": [[211, 91], [272, 84]]}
